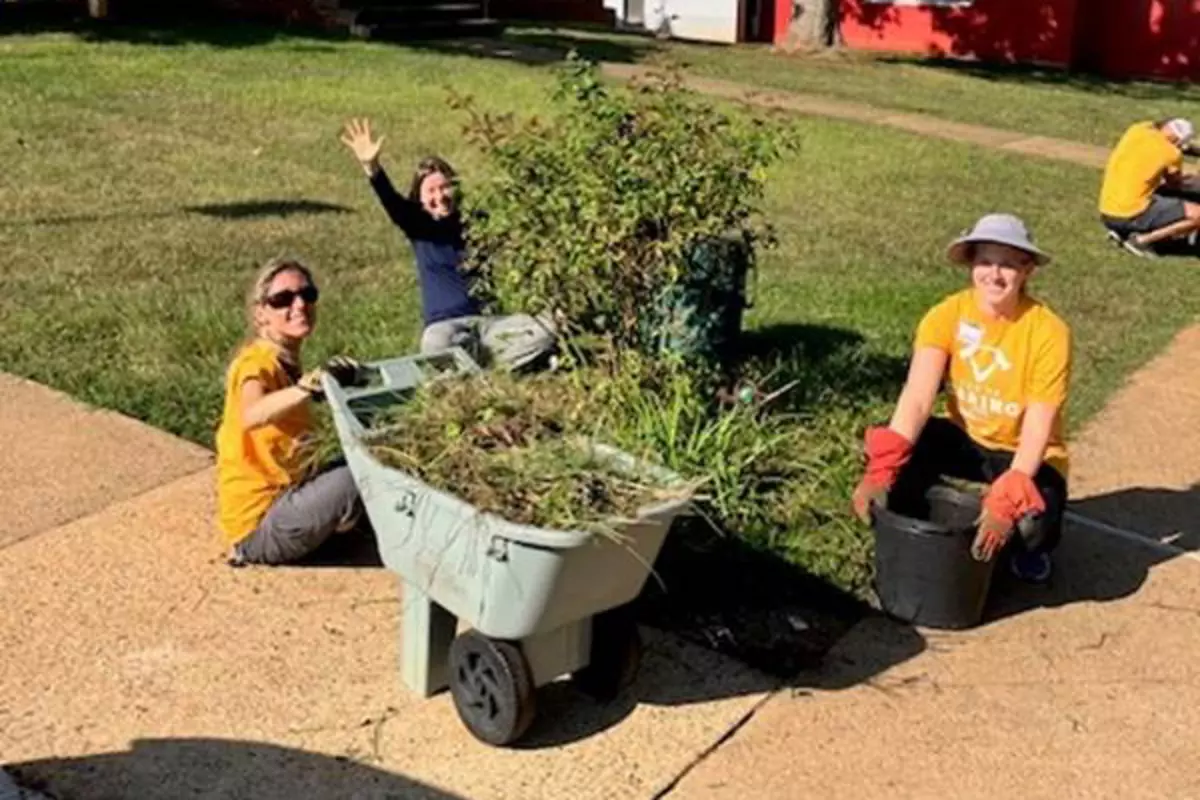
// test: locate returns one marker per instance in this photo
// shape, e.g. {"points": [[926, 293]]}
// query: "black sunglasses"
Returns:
{"points": [[285, 298]]}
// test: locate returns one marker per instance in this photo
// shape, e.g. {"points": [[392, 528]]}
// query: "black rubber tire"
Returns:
{"points": [[492, 687], [615, 657]]}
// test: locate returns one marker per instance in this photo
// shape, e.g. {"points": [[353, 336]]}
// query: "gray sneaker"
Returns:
{"points": [[1144, 251]]}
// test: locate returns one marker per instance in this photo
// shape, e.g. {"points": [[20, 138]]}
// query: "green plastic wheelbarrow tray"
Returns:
{"points": [[493, 609]]}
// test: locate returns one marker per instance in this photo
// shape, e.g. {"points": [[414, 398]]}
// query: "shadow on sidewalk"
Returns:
{"points": [[167, 769], [723, 606], [1095, 566]]}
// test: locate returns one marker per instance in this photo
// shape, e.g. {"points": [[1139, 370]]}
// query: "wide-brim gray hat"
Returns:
{"points": [[997, 229]]}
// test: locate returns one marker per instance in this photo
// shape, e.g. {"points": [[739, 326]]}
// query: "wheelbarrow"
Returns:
{"points": [[491, 609]]}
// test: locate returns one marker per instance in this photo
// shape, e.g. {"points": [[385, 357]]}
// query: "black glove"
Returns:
{"points": [[347, 371]]}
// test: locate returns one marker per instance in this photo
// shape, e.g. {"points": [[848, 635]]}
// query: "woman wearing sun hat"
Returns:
{"points": [[1005, 359]]}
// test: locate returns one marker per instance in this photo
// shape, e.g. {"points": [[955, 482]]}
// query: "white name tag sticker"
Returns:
{"points": [[970, 334]]}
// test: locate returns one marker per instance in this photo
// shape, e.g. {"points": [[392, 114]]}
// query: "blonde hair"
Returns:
{"points": [[257, 293]]}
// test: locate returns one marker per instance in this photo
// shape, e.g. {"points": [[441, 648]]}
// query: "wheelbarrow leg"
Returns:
{"points": [[426, 631]]}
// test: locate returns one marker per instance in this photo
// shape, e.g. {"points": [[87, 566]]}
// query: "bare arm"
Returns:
{"points": [[1035, 435], [260, 407], [920, 392]]}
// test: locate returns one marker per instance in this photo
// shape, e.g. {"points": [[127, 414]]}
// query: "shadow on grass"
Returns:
{"points": [[194, 22], [139, 22], [1031, 75], [826, 364], [235, 211], [724, 606], [267, 208], [172, 768]]}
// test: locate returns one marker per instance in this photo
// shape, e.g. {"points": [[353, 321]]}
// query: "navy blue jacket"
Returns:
{"points": [[438, 246]]}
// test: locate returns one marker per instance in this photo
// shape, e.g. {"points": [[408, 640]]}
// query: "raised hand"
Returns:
{"points": [[357, 137]]}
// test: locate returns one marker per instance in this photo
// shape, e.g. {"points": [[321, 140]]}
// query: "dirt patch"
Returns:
{"points": [[724, 595], [1135, 463]]}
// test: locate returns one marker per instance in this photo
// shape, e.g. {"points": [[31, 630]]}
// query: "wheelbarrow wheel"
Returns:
{"points": [[492, 688], [615, 656]]}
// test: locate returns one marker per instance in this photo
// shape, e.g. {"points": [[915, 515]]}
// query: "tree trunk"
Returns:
{"points": [[813, 25], [97, 9]]}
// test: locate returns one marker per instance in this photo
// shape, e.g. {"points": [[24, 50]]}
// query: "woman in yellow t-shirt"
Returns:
{"points": [[272, 507], [1005, 359]]}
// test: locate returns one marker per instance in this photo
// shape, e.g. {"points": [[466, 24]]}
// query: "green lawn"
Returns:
{"points": [[1037, 101], [145, 183]]}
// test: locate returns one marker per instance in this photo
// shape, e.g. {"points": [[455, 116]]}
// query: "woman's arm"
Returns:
{"points": [[402, 211], [1047, 396], [920, 392], [1035, 436], [260, 407]]}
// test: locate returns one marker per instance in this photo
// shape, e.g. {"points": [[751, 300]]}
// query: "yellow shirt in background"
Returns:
{"points": [[254, 467], [1136, 168], [999, 366]]}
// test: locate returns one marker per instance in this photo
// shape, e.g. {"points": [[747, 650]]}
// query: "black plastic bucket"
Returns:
{"points": [[924, 571]]}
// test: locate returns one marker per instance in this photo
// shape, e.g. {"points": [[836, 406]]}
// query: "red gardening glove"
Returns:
{"points": [[887, 453], [1010, 497]]}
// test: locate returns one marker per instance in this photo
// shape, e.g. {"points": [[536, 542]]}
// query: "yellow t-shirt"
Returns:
{"points": [[999, 366], [1136, 168], [255, 466]]}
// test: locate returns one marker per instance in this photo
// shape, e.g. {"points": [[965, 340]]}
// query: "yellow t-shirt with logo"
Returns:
{"points": [[999, 366], [255, 466], [1136, 168]]}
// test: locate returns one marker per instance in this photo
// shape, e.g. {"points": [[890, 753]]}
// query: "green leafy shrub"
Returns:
{"points": [[607, 215]]}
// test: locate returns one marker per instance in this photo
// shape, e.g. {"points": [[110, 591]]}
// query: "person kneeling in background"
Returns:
{"points": [[1147, 162], [274, 506], [1006, 359]]}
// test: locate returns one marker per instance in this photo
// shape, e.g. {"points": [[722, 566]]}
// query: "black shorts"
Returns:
{"points": [[1161, 212]]}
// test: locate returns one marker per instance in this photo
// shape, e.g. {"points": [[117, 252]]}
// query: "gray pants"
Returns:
{"points": [[302, 518], [512, 341], [1161, 212]]}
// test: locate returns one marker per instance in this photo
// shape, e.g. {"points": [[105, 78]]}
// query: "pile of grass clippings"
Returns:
{"points": [[516, 447]]}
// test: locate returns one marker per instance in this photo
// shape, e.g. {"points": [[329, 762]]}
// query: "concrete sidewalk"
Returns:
{"points": [[1089, 688], [138, 665], [62, 460]]}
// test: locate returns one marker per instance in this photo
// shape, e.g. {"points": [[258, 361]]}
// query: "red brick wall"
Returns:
{"points": [[995, 30], [1143, 38]]}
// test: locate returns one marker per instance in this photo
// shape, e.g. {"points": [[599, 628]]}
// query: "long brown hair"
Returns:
{"points": [[430, 165]]}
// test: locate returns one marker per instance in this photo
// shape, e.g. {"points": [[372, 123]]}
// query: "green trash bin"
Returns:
{"points": [[700, 317]]}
